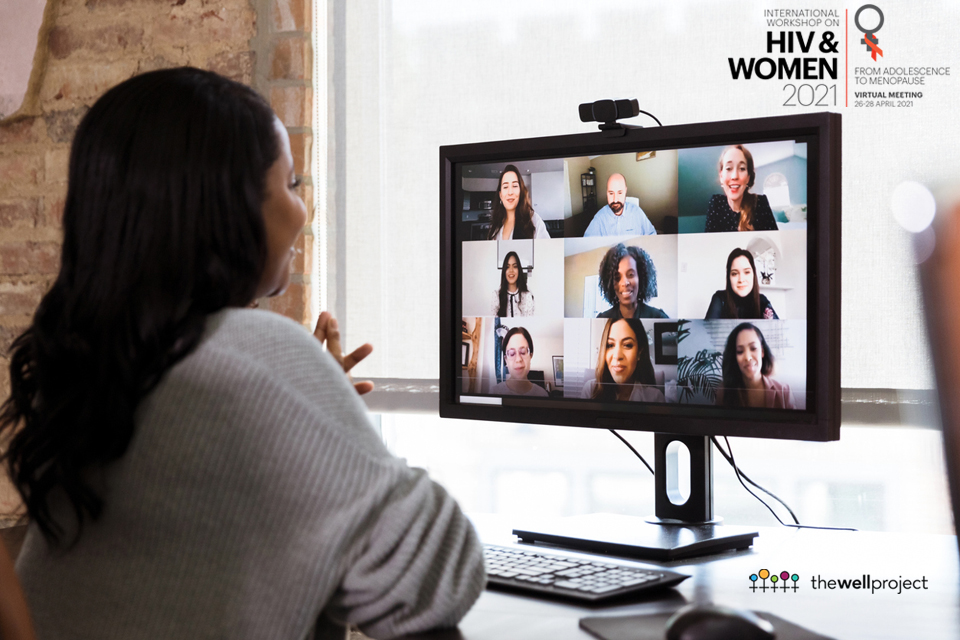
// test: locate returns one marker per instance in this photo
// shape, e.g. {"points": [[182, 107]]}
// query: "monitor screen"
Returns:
{"points": [[680, 279]]}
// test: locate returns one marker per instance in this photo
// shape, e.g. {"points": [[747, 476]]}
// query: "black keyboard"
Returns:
{"points": [[587, 580]]}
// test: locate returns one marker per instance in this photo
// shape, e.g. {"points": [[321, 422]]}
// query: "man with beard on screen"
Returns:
{"points": [[619, 217]]}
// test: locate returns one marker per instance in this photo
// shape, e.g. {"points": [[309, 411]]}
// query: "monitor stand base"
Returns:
{"points": [[631, 537]]}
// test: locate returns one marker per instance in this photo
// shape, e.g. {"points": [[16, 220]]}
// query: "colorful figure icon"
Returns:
{"points": [[753, 580], [764, 574]]}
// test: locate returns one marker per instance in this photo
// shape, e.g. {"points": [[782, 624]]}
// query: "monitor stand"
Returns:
{"points": [[678, 531]]}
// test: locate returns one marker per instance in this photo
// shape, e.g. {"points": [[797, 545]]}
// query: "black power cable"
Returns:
{"points": [[743, 479]]}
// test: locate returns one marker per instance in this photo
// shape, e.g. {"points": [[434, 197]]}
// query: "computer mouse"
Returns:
{"points": [[713, 622]]}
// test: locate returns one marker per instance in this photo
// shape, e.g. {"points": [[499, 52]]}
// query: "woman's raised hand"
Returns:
{"points": [[328, 333]]}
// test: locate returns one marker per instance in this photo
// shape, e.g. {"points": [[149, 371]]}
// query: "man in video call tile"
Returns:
{"points": [[619, 217]]}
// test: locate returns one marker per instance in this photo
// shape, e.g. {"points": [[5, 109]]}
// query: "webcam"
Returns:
{"points": [[607, 112]]}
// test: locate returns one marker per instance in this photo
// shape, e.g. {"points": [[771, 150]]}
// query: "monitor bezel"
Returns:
{"points": [[819, 422]]}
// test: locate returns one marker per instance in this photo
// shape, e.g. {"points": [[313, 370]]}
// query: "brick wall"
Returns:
{"points": [[87, 46]]}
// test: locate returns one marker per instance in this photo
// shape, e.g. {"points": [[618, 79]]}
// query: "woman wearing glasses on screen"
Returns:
{"points": [[742, 298], [513, 214], [747, 371], [624, 370], [512, 298], [628, 279], [738, 209], [517, 353]]}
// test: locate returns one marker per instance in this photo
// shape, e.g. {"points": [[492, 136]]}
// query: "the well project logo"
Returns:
{"points": [[870, 40], [783, 581]]}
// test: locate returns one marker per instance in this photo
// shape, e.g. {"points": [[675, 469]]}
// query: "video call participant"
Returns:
{"points": [[517, 353], [742, 297], [513, 214], [628, 279], [747, 367], [619, 217], [512, 298], [624, 370], [738, 209]]}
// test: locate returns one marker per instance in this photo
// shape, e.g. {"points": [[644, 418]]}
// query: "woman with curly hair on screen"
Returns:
{"points": [[628, 279]]}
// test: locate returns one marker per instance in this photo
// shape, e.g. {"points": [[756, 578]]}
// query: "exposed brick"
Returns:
{"points": [[22, 131], [21, 169], [115, 38], [21, 258], [293, 303], [9, 333], [291, 59], [306, 193], [292, 15], [228, 28], [301, 146], [293, 105], [236, 65], [55, 165], [303, 262], [20, 298], [83, 82], [52, 212], [61, 125], [19, 213]]}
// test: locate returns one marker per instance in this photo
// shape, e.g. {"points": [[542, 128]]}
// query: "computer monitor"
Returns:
{"points": [[683, 280]]}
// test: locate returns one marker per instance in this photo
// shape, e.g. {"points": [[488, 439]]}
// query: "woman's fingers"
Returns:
{"points": [[363, 387], [356, 356]]}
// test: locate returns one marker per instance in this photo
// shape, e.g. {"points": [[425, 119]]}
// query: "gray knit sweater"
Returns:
{"points": [[255, 501]]}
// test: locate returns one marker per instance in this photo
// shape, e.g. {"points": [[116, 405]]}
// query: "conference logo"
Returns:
{"points": [[869, 39], [784, 581]]}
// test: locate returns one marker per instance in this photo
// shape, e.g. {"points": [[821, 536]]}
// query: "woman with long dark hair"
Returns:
{"points": [[748, 372], [512, 298], [192, 467], [738, 209], [624, 369], [742, 298], [513, 214]]}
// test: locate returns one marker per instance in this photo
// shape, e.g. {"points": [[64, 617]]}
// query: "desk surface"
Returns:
{"points": [[932, 613]]}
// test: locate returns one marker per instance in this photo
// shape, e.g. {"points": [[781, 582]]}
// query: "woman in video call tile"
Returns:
{"points": [[513, 214], [628, 279], [517, 353], [738, 209], [747, 369], [742, 297], [512, 298], [624, 369]]}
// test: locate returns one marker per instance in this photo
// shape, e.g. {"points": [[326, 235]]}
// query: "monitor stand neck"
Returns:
{"points": [[683, 530], [672, 507]]}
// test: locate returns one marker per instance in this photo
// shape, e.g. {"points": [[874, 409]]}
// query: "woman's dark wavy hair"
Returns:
{"points": [[606, 389], [610, 269], [521, 282], [750, 302], [732, 378], [749, 202], [523, 217], [162, 226]]}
